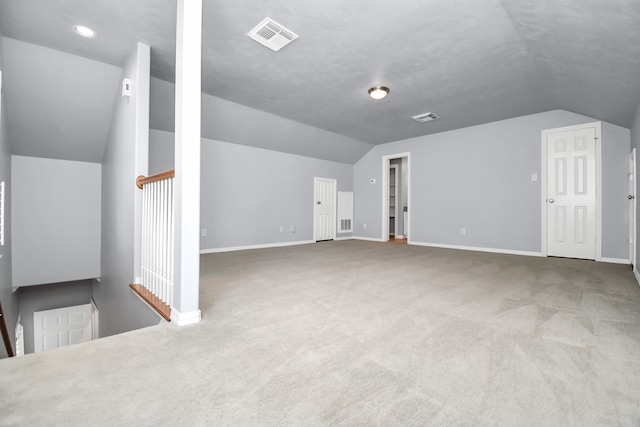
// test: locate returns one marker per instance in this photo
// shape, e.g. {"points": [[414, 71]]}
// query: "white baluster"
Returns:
{"points": [[170, 245], [157, 239]]}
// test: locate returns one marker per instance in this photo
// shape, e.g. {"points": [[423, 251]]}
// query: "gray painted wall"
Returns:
{"points": [[8, 299], [162, 154], [49, 297], [635, 143], [56, 220], [60, 104], [120, 310], [248, 193], [479, 178], [227, 121]]}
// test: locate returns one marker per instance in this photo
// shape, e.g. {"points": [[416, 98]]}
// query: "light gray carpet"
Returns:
{"points": [[360, 333]]}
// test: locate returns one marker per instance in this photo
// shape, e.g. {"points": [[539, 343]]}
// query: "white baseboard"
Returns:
{"points": [[614, 260], [477, 249], [344, 238], [244, 248], [368, 239], [509, 252], [636, 274], [183, 319]]}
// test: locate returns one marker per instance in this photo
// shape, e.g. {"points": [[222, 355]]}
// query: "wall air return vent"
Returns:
{"points": [[272, 35], [426, 117]]}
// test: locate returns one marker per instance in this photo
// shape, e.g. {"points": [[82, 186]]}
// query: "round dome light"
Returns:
{"points": [[378, 92], [85, 32]]}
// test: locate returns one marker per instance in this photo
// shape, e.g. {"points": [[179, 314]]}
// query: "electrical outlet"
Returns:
{"points": [[463, 231], [293, 228], [282, 228], [534, 177], [364, 226], [204, 232]]}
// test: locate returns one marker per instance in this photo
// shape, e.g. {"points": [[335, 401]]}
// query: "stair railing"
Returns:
{"points": [[156, 285], [5, 334]]}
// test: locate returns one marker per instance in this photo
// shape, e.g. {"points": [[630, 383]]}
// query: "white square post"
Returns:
{"points": [[185, 309]]}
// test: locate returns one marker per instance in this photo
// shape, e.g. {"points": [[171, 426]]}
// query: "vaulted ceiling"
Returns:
{"points": [[470, 62]]}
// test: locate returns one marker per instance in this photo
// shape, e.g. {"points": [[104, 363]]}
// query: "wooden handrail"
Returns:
{"points": [[142, 180], [5, 334], [158, 305]]}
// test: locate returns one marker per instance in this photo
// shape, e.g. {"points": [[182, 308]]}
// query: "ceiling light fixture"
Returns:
{"points": [[378, 92], [85, 32]]}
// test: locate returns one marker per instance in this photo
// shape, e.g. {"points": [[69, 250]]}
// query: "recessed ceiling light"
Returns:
{"points": [[85, 32], [378, 92]]}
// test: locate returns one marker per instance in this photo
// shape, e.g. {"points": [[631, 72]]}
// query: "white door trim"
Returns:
{"points": [[335, 207], [95, 319], [386, 163], [632, 211], [395, 208], [543, 183]]}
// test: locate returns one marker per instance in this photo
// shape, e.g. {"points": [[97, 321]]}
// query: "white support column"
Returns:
{"points": [[140, 101], [185, 309]]}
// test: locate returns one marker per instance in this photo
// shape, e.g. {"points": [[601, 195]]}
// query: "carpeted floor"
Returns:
{"points": [[360, 333]]}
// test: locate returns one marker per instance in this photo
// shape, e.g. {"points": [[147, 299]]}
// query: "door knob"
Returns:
{"points": [[551, 200], [318, 203], [631, 197]]}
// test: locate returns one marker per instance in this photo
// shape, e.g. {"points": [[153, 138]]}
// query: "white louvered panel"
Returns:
{"points": [[345, 211], [272, 35]]}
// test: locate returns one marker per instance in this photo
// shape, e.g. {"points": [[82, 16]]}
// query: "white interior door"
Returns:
{"points": [[61, 327], [571, 192], [632, 207], [324, 205]]}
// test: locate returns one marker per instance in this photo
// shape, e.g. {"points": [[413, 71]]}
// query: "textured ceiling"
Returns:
{"points": [[470, 62]]}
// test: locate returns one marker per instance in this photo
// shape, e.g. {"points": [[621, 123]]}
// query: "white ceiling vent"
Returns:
{"points": [[272, 35], [426, 117]]}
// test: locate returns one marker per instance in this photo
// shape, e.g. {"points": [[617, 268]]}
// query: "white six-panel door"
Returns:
{"points": [[61, 327], [324, 203], [571, 193]]}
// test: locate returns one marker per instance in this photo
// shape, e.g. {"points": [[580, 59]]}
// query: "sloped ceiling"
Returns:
{"points": [[58, 105], [470, 62]]}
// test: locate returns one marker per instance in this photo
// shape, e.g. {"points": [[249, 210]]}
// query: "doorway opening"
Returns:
{"points": [[396, 198]]}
